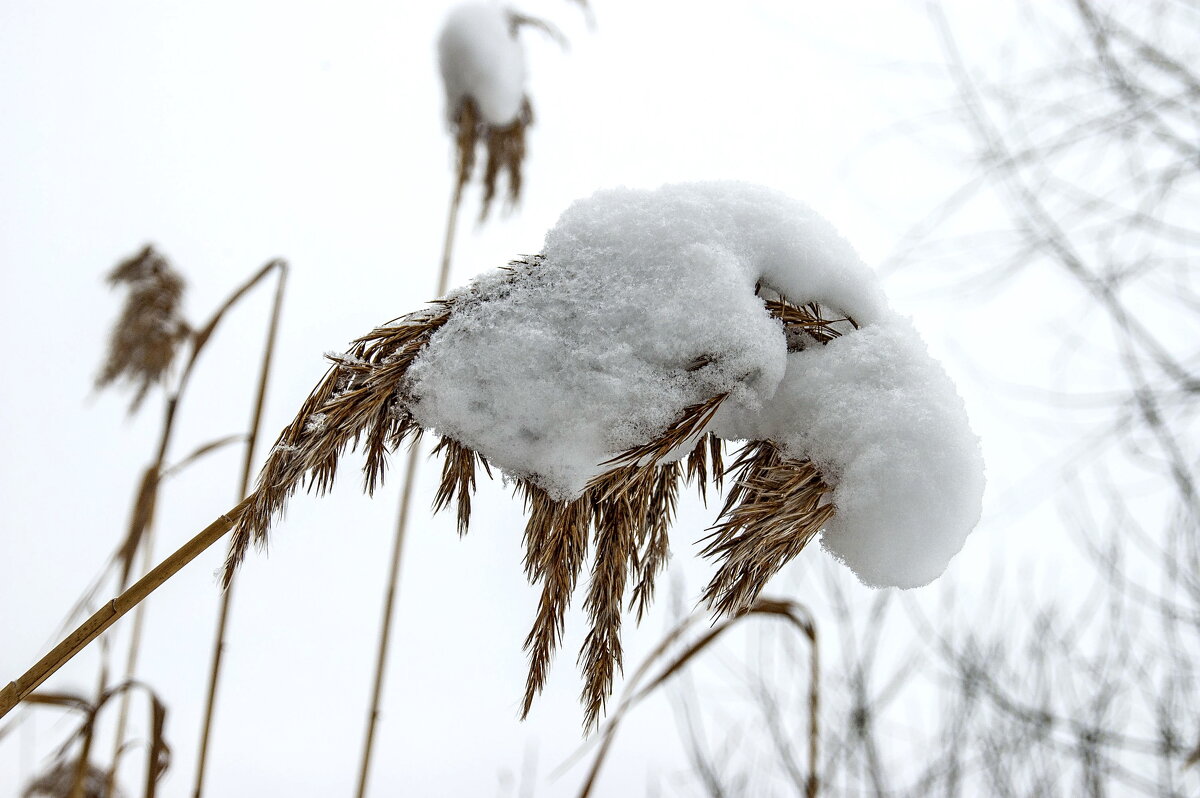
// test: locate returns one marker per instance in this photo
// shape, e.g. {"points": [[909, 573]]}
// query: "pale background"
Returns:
{"points": [[229, 133]]}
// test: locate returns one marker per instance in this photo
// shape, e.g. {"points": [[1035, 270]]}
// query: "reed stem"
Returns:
{"points": [[243, 489], [16, 691], [410, 476]]}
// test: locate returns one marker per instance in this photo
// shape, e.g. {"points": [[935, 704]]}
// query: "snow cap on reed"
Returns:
{"points": [[483, 72], [482, 60]]}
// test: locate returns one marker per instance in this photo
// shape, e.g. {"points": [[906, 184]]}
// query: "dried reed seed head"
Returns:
{"points": [[505, 145], [774, 508], [59, 779], [467, 125], [146, 337]]}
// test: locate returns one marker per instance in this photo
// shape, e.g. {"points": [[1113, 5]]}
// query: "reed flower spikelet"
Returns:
{"points": [[146, 336]]}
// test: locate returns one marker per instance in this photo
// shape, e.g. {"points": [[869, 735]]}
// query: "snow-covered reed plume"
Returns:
{"points": [[147, 335], [608, 370], [483, 72]]}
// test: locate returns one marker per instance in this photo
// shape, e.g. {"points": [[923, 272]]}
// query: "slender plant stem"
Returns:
{"points": [[85, 746], [813, 784], [149, 495], [16, 691], [243, 489], [410, 476], [135, 642], [142, 517]]}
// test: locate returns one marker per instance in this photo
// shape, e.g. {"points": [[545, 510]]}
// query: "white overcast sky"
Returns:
{"points": [[229, 133]]}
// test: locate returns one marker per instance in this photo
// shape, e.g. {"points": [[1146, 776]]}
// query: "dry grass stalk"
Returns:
{"points": [[505, 145], [147, 335], [140, 534], [774, 509], [247, 473]]}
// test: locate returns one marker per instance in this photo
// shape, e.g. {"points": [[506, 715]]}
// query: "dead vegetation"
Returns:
{"points": [[775, 505], [151, 326]]}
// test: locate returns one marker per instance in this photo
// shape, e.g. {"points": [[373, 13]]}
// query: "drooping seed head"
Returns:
{"points": [[146, 337]]}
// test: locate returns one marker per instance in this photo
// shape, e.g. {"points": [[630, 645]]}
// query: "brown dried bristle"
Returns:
{"points": [[774, 508], [467, 126], [146, 337], [505, 150]]}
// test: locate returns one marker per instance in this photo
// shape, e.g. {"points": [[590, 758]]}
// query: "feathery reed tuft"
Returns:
{"points": [[147, 335], [505, 146], [59, 780], [774, 508], [359, 400]]}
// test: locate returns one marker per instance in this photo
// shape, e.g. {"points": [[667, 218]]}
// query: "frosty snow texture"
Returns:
{"points": [[644, 303]]}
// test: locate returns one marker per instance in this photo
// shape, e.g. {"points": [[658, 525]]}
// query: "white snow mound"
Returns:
{"points": [[480, 58], [643, 302]]}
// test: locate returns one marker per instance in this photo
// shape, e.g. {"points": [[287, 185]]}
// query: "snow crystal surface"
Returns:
{"points": [[481, 59], [644, 302]]}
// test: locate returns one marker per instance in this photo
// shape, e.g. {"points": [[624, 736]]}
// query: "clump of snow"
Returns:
{"points": [[644, 302], [480, 58], [886, 427]]}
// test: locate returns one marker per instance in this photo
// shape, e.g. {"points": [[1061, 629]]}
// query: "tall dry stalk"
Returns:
{"points": [[144, 345], [410, 469], [141, 532], [142, 349], [243, 490], [505, 148]]}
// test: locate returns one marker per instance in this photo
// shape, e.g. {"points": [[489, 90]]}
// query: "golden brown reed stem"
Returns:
{"points": [[410, 475], [243, 489], [14, 692]]}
